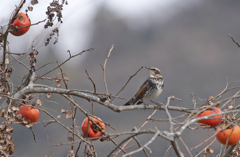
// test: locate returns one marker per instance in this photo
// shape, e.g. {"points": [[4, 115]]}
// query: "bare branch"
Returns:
{"points": [[131, 76], [94, 86], [20, 62], [36, 88], [206, 147], [104, 67], [66, 86], [139, 145], [185, 146], [177, 149], [145, 146], [137, 130], [229, 150], [67, 128], [64, 62], [234, 40], [43, 66], [6, 33]]}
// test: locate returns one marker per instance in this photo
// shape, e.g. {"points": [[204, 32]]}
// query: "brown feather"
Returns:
{"points": [[142, 90], [139, 95]]}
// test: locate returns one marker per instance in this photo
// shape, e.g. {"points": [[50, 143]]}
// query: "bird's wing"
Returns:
{"points": [[141, 92]]}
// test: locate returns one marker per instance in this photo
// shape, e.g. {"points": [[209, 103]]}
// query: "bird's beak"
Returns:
{"points": [[148, 68]]}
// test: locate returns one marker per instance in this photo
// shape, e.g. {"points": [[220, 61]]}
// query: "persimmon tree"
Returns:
{"points": [[28, 93]]}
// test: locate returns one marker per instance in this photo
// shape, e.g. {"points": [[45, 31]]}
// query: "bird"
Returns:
{"points": [[150, 89]]}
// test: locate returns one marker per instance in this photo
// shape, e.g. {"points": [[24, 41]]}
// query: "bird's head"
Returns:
{"points": [[154, 72]]}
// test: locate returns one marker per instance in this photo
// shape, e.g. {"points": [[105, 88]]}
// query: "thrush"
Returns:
{"points": [[150, 89]]}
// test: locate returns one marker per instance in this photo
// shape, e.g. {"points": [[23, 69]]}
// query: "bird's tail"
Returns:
{"points": [[130, 102]]}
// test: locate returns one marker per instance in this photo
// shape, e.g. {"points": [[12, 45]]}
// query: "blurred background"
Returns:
{"points": [[187, 40]]}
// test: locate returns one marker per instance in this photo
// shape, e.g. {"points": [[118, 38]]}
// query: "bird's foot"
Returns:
{"points": [[145, 106]]}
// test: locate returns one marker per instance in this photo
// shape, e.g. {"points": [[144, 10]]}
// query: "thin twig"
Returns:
{"points": [[205, 148], [66, 86], [185, 146], [234, 40], [67, 128], [20, 62], [7, 30], [137, 130], [229, 150], [168, 151], [34, 137], [145, 146], [43, 66], [64, 62], [94, 86], [131, 76], [139, 145], [20, 27], [194, 101], [104, 67]]}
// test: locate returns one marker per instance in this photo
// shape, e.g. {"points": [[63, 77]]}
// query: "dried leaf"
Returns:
{"points": [[36, 52], [39, 102], [10, 148], [30, 8], [49, 95], [15, 108], [5, 90], [10, 129], [33, 2], [65, 77], [204, 155], [29, 125], [211, 98], [70, 139], [3, 112], [2, 127], [57, 80], [59, 116], [25, 121], [209, 150], [19, 116], [71, 153], [63, 111], [9, 139], [59, 84], [68, 115], [6, 61], [11, 120], [229, 107], [9, 110]]}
